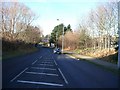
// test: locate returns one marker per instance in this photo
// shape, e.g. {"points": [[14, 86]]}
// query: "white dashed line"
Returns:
{"points": [[40, 57], [43, 83], [45, 64], [55, 62], [18, 75], [43, 73], [34, 62], [43, 68], [63, 76]]}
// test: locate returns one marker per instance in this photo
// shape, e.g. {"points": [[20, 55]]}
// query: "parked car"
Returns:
{"points": [[57, 50]]}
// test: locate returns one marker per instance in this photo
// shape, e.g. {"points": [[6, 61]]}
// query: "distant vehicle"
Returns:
{"points": [[57, 50]]}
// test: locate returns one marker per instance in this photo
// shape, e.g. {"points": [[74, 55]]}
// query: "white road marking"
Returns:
{"points": [[18, 75], [48, 60], [63, 76], [40, 57], [45, 64], [43, 73], [34, 62], [55, 62], [43, 83], [43, 68]]}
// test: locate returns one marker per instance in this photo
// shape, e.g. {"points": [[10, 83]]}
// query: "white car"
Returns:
{"points": [[57, 50]]}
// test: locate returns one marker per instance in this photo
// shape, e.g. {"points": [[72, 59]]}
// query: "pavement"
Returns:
{"points": [[95, 60], [92, 59], [44, 69]]}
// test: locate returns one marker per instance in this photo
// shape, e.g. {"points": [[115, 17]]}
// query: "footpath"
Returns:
{"points": [[94, 60]]}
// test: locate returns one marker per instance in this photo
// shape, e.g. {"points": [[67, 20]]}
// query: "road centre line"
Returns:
{"points": [[18, 75], [45, 64], [34, 62], [43, 68], [43, 83], [42, 73], [48, 60], [63, 76], [40, 57], [55, 62]]}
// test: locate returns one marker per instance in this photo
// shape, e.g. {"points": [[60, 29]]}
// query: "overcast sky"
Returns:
{"points": [[67, 11]]}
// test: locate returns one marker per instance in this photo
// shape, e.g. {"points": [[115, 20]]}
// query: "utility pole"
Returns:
{"points": [[56, 38], [57, 33]]}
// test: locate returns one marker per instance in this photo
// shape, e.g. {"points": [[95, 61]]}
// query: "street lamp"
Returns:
{"points": [[62, 36], [63, 39], [57, 35]]}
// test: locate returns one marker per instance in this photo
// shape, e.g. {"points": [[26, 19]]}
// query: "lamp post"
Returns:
{"points": [[57, 34], [62, 36], [63, 39]]}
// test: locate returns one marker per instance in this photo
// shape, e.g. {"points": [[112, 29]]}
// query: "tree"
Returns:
{"points": [[71, 40], [57, 32], [69, 27], [16, 17], [91, 25]]}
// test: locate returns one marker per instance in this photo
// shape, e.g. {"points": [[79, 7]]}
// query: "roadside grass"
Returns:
{"points": [[114, 71], [111, 57], [19, 52]]}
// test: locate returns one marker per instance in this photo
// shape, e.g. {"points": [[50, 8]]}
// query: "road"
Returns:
{"points": [[43, 69]]}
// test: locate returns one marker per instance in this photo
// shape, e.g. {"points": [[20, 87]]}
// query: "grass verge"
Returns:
{"points": [[17, 53]]}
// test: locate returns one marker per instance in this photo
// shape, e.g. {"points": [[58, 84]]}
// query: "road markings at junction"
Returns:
{"points": [[45, 64], [55, 62], [63, 76], [40, 57], [34, 62], [43, 68], [43, 83], [18, 75], [43, 73]]}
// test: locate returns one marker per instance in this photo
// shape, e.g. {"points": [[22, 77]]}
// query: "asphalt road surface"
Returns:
{"points": [[43, 69]]}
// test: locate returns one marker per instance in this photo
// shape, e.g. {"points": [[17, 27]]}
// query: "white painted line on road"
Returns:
{"points": [[18, 75], [43, 68], [63, 76], [34, 62], [43, 83], [55, 62], [48, 61], [48, 58], [40, 57], [45, 64], [42, 73]]}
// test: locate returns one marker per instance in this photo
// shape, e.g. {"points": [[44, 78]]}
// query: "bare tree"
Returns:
{"points": [[91, 25], [16, 17]]}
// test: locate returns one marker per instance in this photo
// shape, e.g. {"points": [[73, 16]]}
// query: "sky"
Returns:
{"points": [[67, 11]]}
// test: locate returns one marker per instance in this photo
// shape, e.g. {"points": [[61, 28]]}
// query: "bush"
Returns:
{"points": [[14, 45]]}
